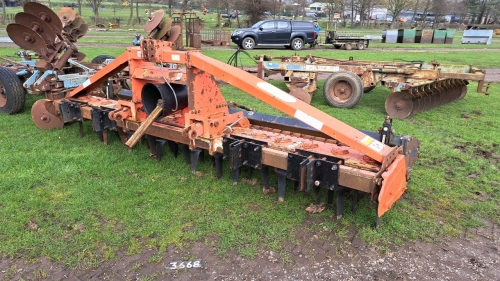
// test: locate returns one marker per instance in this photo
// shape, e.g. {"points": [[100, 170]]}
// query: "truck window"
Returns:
{"points": [[282, 24], [304, 24], [268, 25]]}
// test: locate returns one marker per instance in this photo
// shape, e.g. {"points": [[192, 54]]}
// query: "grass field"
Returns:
{"points": [[79, 202]]}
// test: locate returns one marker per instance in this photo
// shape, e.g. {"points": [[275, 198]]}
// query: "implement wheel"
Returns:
{"points": [[343, 89], [360, 46], [101, 59], [12, 95], [348, 46]]}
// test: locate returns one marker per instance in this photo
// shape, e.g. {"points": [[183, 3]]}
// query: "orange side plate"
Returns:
{"points": [[393, 185]]}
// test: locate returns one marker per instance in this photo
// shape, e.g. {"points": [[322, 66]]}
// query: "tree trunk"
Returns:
{"points": [[414, 12], [96, 13], [131, 15], [137, 12], [4, 13], [79, 2]]}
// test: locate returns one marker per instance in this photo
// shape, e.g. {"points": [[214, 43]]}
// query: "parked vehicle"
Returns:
{"points": [[287, 33], [346, 41]]}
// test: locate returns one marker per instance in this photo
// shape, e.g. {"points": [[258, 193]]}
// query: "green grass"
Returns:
{"points": [[79, 202]]}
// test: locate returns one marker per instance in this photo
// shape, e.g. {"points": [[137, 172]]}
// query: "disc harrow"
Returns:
{"points": [[415, 86], [56, 65]]}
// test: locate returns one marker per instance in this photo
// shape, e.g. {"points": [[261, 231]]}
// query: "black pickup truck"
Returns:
{"points": [[289, 33]]}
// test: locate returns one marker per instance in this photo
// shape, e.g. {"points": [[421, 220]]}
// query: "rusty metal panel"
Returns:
{"points": [[423, 36]]}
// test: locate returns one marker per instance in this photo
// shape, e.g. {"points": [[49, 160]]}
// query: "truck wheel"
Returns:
{"points": [[337, 46], [297, 44], [101, 59], [343, 89], [348, 46], [360, 46], [248, 43], [12, 96]]}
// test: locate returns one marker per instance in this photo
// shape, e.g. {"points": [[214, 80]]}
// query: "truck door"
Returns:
{"points": [[283, 32], [267, 33]]}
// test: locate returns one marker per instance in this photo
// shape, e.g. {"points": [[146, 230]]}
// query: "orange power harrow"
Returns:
{"points": [[174, 99]]}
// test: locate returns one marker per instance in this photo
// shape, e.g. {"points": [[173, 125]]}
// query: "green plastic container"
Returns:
{"points": [[449, 36], [439, 36], [406, 35]]}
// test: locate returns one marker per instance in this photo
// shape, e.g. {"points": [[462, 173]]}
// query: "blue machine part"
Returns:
{"points": [[73, 80], [32, 79]]}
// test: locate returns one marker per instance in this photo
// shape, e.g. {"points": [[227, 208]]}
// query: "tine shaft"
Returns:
{"points": [[195, 156], [236, 174], [151, 140], [105, 136], [185, 151], [340, 201], [160, 145], [174, 148], [330, 196], [81, 129], [317, 192], [250, 172], [264, 172], [295, 186], [218, 164], [281, 184], [355, 197], [99, 134]]}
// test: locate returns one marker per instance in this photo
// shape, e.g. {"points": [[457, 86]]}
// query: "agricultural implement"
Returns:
{"points": [[174, 100], [415, 86], [58, 65]]}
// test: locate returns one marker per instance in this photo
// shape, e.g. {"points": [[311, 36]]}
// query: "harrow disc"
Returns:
{"points": [[44, 115], [66, 15], [46, 14], [154, 21], [173, 33], [37, 25], [399, 105], [164, 27], [26, 38], [463, 92]]}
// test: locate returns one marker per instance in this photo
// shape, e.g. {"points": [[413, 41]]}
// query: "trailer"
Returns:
{"points": [[347, 41]]}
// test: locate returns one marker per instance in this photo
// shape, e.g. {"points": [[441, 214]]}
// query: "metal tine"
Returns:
{"points": [[160, 146], [317, 192], [81, 128], [340, 201], [100, 135], [174, 148], [250, 172], [264, 172], [217, 160], [185, 151], [196, 155], [235, 175], [296, 185], [151, 141], [281, 184]]}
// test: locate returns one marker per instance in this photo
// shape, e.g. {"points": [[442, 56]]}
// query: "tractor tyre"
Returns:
{"points": [[343, 89], [348, 46], [101, 59], [12, 94]]}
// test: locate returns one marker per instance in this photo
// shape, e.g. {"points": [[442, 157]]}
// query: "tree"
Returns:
{"points": [[362, 7], [395, 7], [4, 12], [95, 4]]}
